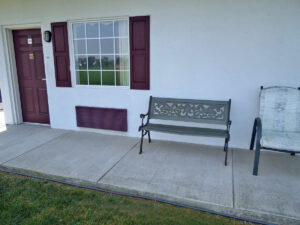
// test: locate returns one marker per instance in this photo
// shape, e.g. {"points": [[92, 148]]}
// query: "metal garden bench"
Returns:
{"points": [[278, 126], [187, 110]]}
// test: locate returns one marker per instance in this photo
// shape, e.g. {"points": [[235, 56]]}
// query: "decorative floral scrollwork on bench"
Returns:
{"points": [[188, 110]]}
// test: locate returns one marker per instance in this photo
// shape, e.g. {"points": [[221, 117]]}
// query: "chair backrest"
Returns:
{"points": [[280, 109], [189, 110]]}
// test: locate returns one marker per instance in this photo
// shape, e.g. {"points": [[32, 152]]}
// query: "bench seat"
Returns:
{"points": [[184, 130]]}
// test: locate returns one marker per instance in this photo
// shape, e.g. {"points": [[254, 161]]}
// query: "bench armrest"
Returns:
{"points": [[142, 116]]}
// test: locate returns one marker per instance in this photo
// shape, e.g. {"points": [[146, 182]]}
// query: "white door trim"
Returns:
{"points": [[12, 76]]}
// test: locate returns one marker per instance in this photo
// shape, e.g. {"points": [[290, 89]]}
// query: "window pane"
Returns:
{"points": [[107, 62], [92, 30], [93, 46], [79, 30], [94, 62], [101, 52], [81, 77], [108, 78], [122, 62], [121, 45], [121, 28], [80, 46], [94, 77], [107, 46], [106, 29], [80, 62], [122, 78]]}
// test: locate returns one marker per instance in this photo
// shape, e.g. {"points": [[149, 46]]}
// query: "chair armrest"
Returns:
{"points": [[258, 126], [256, 133]]}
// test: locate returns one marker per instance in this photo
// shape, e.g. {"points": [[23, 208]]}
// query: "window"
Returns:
{"points": [[101, 52]]}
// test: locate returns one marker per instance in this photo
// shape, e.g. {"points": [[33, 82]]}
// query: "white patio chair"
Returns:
{"points": [[278, 126]]}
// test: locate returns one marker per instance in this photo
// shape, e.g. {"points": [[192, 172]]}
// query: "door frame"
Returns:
{"points": [[12, 75]]}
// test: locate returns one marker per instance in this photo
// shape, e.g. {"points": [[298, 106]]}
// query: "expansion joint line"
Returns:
{"points": [[116, 162]]}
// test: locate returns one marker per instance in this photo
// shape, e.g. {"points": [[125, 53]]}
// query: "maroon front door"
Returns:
{"points": [[31, 75]]}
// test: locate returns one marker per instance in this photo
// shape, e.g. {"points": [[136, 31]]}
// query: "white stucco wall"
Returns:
{"points": [[203, 49]]}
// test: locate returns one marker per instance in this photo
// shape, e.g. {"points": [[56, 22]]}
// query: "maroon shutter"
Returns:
{"points": [[61, 54], [140, 52]]}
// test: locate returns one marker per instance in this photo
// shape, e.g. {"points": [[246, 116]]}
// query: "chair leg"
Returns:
{"points": [[141, 145], [226, 150], [256, 160], [149, 138]]}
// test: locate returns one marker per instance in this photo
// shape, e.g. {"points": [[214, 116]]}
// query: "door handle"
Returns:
{"points": [[43, 78]]}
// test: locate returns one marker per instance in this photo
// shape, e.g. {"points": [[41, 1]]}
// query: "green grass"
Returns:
{"points": [[30, 201]]}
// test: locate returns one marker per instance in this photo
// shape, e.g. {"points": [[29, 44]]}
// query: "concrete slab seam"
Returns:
{"points": [[116, 163]]}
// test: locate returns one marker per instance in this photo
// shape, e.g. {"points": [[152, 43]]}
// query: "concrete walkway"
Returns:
{"points": [[180, 172]]}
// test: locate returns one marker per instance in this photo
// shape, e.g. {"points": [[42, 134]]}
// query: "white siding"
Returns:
{"points": [[203, 49]]}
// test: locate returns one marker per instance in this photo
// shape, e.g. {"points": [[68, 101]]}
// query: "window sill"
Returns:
{"points": [[101, 87]]}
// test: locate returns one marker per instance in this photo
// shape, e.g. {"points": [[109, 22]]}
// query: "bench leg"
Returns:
{"points": [[141, 145], [293, 153], [226, 150], [256, 160], [149, 138]]}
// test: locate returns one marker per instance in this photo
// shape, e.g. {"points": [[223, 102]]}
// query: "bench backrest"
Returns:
{"points": [[189, 110], [280, 109]]}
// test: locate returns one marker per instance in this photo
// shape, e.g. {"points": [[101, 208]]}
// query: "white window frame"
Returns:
{"points": [[72, 54]]}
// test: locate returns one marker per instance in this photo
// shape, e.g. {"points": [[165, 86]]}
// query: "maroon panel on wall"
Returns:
{"points": [[101, 118], [61, 54], [139, 52]]}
